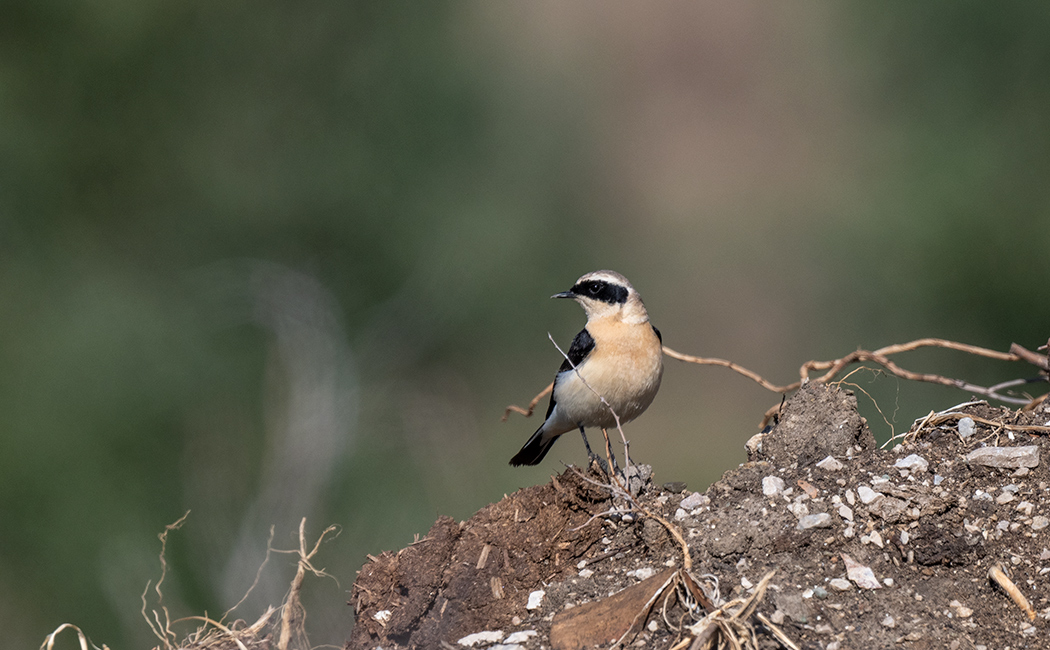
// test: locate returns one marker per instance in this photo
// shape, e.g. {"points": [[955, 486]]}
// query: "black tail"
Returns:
{"points": [[534, 450]]}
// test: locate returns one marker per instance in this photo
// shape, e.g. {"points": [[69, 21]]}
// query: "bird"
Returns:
{"points": [[617, 356]]}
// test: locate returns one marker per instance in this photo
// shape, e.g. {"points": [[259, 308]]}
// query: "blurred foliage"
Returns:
{"points": [[213, 213]]}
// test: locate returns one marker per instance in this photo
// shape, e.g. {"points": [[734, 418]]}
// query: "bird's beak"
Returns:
{"points": [[564, 294]]}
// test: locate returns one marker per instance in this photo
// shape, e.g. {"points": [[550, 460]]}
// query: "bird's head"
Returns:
{"points": [[607, 294]]}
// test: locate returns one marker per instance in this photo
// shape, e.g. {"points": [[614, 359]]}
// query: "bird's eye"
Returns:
{"points": [[595, 287]]}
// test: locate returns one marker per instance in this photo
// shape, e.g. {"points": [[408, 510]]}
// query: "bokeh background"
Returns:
{"points": [[264, 261]]}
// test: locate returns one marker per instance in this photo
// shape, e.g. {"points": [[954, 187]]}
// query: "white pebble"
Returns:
{"points": [[818, 520], [913, 463], [535, 598], [845, 512], [521, 637], [829, 464], [488, 636], [693, 501], [1040, 522], [772, 485], [866, 494], [840, 584], [966, 427]]}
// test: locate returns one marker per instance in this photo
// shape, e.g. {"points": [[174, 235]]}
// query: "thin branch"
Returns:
{"points": [[881, 357]]}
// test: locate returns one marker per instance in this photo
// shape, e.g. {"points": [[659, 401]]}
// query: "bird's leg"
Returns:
{"points": [[593, 457]]}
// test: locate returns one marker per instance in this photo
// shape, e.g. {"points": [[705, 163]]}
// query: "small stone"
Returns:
{"points": [[521, 637], [1040, 522], [834, 645], [382, 616], [829, 464], [586, 573], [674, 487], [772, 486], [845, 512], [693, 501], [818, 520], [1003, 525], [966, 427], [866, 494], [824, 628], [937, 479], [851, 498], [875, 538], [861, 575], [777, 617], [888, 582], [535, 598], [488, 636], [820, 593], [1045, 555], [1012, 457], [1011, 488], [642, 574], [1026, 507], [1004, 498], [905, 536], [680, 514], [745, 583], [840, 584], [888, 621], [913, 463], [653, 625]]}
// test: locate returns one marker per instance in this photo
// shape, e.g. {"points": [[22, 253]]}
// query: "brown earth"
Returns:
{"points": [[929, 529]]}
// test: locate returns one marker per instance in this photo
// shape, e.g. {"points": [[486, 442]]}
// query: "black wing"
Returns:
{"points": [[578, 351], [659, 336]]}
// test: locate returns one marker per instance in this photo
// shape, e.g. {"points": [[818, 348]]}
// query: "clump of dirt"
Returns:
{"points": [[870, 548]]}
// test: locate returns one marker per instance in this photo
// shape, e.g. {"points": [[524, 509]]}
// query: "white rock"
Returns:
{"points": [[642, 574], [382, 616], [888, 621], [488, 636], [866, 494], [521, 637], [535, 598], [913, 463], [840, 584], [851, 498], [1004, 498], [861, 575], [818, 520], [586, 573], [905, 536], [966, 427], [772, 485], [693, 501], [745, 583], [1013, 457], [846, 512], [829, 464], [680, 514], [1040, 522]]}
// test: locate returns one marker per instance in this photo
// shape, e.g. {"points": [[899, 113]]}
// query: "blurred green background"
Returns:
{"points": [[265, 261]]}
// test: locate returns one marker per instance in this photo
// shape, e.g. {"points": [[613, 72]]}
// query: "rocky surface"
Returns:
{"points": [[870, 548]]}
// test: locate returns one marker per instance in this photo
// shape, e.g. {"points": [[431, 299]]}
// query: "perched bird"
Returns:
{"points": [[617, 357]]}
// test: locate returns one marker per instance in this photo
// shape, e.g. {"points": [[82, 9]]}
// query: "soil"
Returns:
{"points": [[927, 523]]}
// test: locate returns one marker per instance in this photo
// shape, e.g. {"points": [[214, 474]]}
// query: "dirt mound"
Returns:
{"points": [[870, 548]]}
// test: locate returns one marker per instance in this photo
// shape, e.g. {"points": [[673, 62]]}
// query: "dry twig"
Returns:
{"points": [[881, 357], [1001, 579]]}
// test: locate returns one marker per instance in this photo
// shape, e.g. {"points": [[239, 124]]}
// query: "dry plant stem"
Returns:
{"points": [[292, 608], [1000, 578], [49, 640], [880, 357], [527, 412], [162, 630]]}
